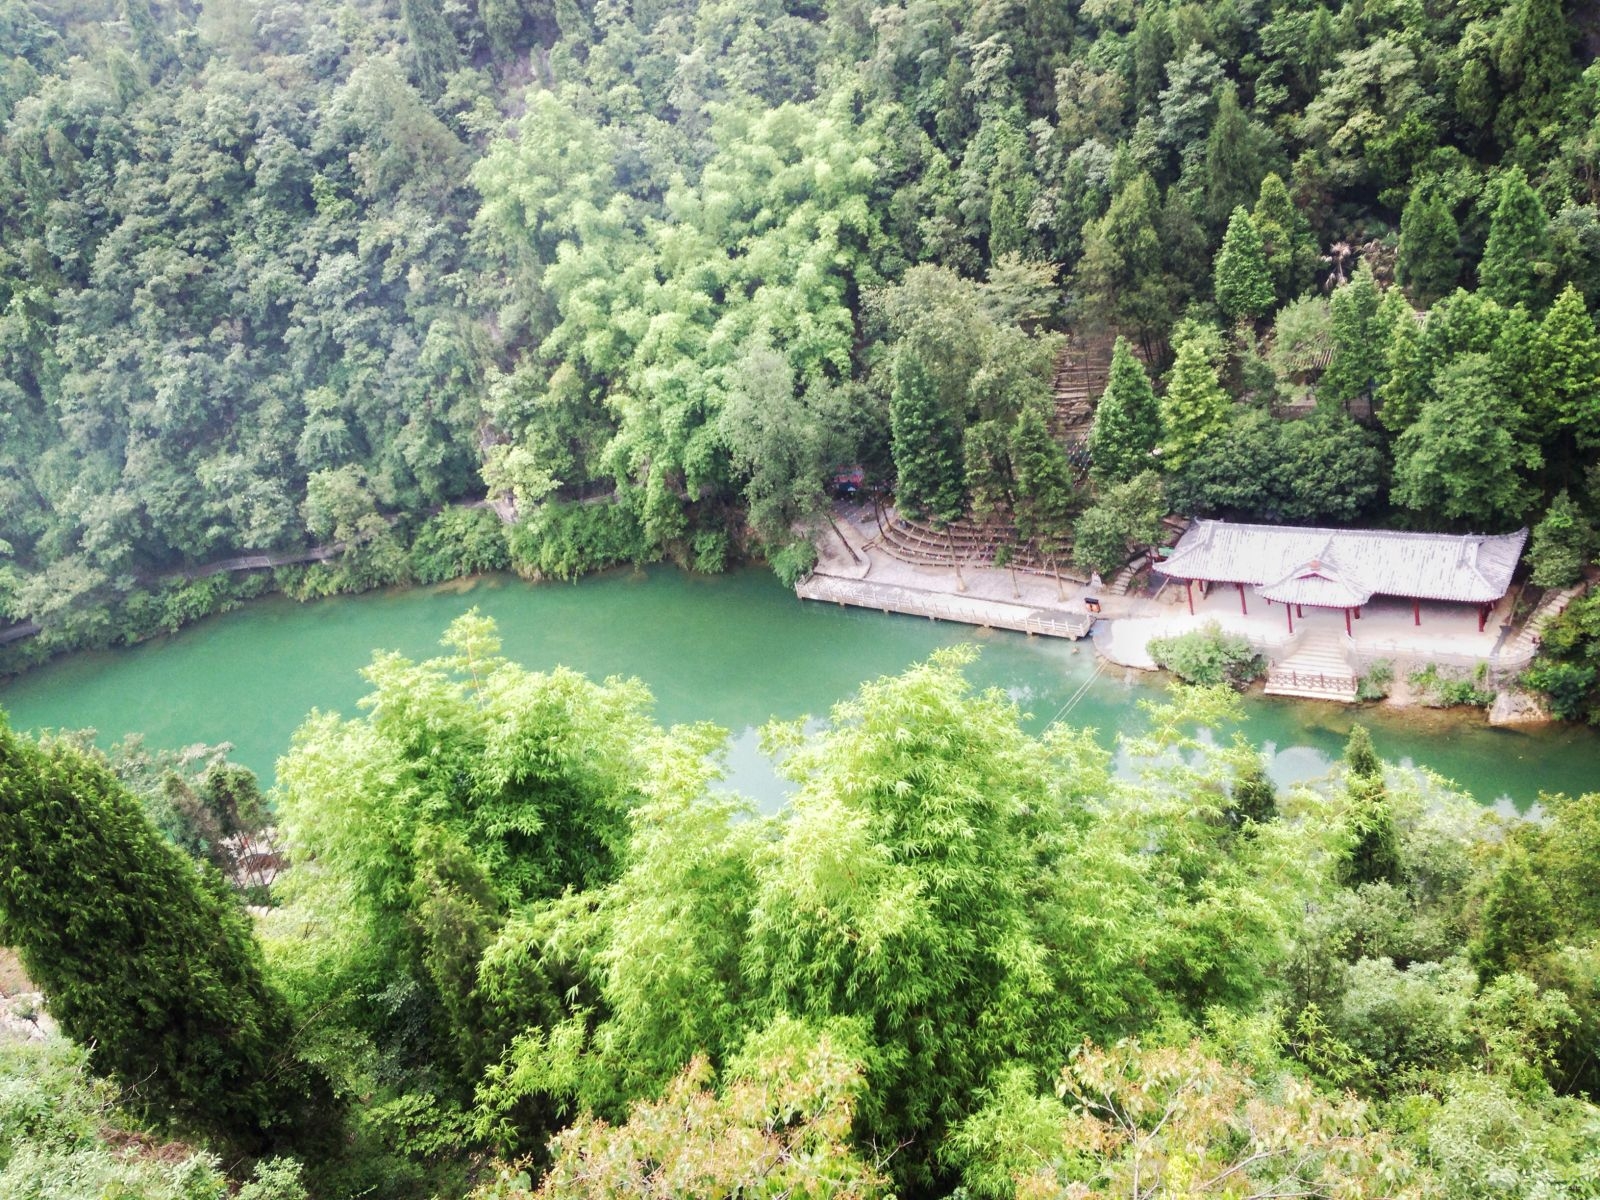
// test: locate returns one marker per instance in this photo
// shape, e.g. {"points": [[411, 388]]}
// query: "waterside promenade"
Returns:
{"points": [[857, 565]]}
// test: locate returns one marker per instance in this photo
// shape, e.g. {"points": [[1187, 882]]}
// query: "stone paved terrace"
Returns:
{"points": [[1448, 634], [864, 559]]}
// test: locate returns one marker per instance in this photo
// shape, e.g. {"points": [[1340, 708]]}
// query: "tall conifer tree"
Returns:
{"points": [[1429, 242], [1195, 407], [1357, 350], [1233, 157], [1244, 288], [146, 958], [1519, 241], [1127, 422], [1567, 368], [927, 441], [1374, 853], [1285, 238], [432, 42]]}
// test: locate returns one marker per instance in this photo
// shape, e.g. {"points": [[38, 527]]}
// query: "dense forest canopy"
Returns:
{"points": [[309, 282], [526, 944], [275, 278]]}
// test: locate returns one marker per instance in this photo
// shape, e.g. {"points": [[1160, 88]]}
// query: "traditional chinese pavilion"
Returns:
{"points": [[1344, 568]]}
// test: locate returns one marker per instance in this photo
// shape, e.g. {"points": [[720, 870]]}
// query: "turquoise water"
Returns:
{"points": [[736, 650]]}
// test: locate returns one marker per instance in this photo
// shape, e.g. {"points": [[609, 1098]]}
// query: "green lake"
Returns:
{"points": [[736, 650]]}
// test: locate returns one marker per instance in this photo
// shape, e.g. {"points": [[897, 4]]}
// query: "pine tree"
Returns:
{"points": [[1518, 918], [1045, 495], [1195, 407], [148, 960], [1563, 544], [1357, 360], [1127, 422], [927, 441], [1567, 368], [1243, 286], [1285, 238], [1533, 57], [1233, 157], [1374, 852], [1429, 242], [432, 42], [1519, 242], [1406, 386], [1361, 756], [1252, 798]]}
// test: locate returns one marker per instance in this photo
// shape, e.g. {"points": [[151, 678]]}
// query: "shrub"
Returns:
{"points": [[1566, 687], [1375, 684], [793, 562], [711, 552], [1447, 691], [563, 541], [457, 542], [1209, 656]]}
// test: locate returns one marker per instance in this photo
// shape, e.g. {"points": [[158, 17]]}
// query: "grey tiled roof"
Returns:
{"points": [[1298, 565]]}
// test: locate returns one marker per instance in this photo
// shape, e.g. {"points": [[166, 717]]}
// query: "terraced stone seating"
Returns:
{"points": [[965, 542], [1082, 370]]}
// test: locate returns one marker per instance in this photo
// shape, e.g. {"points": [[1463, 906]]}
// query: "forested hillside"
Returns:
{"points": [[278, 277], [526, 945]]}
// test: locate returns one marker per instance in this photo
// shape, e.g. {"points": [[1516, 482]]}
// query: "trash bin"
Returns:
{"points": [[1092, 604]]}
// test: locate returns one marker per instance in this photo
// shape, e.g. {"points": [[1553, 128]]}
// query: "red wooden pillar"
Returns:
{"points": [[1299, 611], [1288, 611], [1242, 608], [1483, 616], [1358, 612], [1347, 632], [1188, 590], [1416, 612]]}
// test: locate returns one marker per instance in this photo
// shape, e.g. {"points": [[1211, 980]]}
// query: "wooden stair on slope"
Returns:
{"points": [[1317, 670]]}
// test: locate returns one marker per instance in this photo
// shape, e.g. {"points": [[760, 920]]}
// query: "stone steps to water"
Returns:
{"points": [[1318, 669]]}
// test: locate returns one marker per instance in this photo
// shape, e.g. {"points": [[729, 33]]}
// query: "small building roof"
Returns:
{"points": [[1318, 582], [1332, 567]]}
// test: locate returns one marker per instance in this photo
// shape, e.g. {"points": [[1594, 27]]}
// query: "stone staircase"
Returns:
{"points": [[1526, 643], [965, 542], [1316, 670], [1124, 578], [1078, 383]]}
